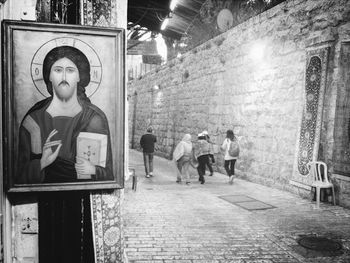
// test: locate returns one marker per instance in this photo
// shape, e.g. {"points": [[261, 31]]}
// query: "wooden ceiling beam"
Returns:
{"points": [[148, 8]]}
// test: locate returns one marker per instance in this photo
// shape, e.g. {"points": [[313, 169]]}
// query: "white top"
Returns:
{"points": [[183, 148], [225, 146]]}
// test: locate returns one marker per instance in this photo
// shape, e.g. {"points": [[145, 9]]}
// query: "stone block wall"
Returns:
{"points": [[250, 79]]}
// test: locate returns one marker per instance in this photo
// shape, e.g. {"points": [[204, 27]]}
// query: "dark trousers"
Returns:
{"points": [[148, 162], [230, 167], [203, 160], [209, 164]]}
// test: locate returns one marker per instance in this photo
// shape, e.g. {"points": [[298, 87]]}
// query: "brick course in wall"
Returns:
{"points": [[221, 85]]}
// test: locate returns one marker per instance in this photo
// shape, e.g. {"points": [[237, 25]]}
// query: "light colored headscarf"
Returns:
{"points": [[183, 147], [187, 138]]}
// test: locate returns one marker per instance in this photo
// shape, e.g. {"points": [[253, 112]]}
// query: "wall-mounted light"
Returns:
{"points": [[257, 51]]}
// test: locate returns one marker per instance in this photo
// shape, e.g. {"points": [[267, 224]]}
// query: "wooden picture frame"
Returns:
{"points": [[33, 74]]}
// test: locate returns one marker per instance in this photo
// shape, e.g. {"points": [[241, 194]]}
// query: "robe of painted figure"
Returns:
{"points": [[34, 130]]}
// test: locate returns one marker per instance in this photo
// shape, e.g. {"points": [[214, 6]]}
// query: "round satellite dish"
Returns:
{"points": [[224, 20]]}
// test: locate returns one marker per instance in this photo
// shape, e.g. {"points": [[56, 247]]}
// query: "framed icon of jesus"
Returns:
{"points": [[63, 107]]}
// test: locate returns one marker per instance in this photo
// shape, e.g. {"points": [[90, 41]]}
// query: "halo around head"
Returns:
{"points": [[89, 52]]}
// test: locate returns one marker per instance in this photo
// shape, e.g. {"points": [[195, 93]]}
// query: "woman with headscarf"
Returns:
{"points": [[182, 157]]}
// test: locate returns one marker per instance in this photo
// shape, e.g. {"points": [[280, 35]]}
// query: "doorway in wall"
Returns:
{"points": [[341, 155], [65, 229]]}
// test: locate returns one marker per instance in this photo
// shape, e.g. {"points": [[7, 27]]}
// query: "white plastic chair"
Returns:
{"points": [[319, 172]]}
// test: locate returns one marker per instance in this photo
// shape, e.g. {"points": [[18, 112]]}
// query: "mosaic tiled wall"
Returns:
{"points": [[106, 216], [309, 119], [97, 13], [309, 136]]}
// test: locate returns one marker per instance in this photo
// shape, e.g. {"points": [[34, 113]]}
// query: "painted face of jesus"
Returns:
{"points": [[64, 76]]}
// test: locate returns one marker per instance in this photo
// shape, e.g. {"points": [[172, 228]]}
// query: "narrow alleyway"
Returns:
{"points": [[168, 222]]}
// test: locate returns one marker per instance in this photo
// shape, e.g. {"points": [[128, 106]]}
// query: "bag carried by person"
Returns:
{"points": [[234, 149]]}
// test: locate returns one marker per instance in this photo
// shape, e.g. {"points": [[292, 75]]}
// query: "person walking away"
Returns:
{"points": [[147, 143], [182, 157], [231, 150], [211, 154], [201, 152]]}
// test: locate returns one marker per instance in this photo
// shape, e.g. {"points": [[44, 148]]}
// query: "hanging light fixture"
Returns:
{"points": [[164, 24], [173, 4]]}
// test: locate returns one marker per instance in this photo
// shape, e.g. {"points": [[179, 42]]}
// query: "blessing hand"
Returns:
{"points": [[84, 168], [48, 156]]}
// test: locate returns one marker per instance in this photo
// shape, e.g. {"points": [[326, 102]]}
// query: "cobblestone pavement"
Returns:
{"points": [[169, 222]]}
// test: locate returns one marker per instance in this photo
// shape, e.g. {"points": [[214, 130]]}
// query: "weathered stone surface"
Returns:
{"points": [[169, 222]]}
